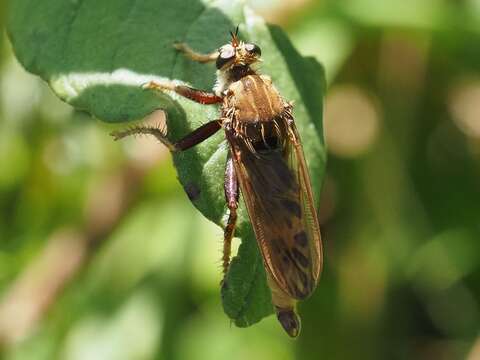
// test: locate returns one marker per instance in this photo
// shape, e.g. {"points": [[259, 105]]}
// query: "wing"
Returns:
{"points": [[277, 192]]}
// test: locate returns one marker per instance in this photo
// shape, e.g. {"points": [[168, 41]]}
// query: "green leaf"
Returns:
{"points": [[95, 55]]}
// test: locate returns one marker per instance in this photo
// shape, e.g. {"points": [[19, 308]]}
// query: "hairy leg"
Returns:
{"points": [[199, 96], [144, 130], [231, 196], [195, 56], [195, 137]]}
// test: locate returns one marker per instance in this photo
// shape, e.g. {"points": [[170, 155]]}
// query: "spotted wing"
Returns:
{"points": [[276, 188]]}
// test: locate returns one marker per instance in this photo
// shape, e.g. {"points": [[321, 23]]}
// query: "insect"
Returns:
{"points": [[266, 162]]}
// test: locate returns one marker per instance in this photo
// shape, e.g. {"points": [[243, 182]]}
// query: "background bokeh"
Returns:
{"points": [[103, 257]]}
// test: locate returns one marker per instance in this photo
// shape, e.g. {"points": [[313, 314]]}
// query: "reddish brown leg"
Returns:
{"points": [[231, 196], [198, 135], [199, 96], [195, 137]]}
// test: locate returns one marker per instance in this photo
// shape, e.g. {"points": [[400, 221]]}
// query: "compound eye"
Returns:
{"points": [[226, 54], [253, 49]]}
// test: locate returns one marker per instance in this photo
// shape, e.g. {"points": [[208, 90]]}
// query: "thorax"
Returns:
{"points": [[253, 99]]}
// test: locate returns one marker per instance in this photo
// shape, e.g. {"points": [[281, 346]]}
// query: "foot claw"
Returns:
{"points": [[149, 85], [178, 45], [116, 135], [152, 85]]}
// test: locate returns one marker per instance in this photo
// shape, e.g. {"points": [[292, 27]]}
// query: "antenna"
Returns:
{"points": [[234, 36]]}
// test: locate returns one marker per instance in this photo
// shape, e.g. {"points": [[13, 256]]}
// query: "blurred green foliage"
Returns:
{"points": [[399, 210]]}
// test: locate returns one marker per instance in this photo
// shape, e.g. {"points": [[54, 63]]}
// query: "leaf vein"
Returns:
{"points": [[121, 32], [71, 23]]}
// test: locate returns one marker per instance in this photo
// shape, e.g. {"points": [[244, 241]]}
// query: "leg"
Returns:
{"points": [[195, 56], [195, 137], [231, 196], [198, 96], [139, 130]]}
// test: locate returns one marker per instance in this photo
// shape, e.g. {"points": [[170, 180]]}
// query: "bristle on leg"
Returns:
{"points": [[144, 130]]}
